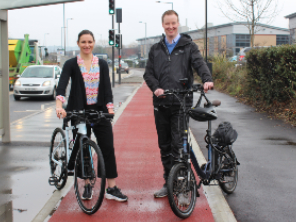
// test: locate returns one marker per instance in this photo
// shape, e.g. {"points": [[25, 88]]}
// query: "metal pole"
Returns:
{"points": [[67, 32], [206, 30], [64, 29], [62, 37], [145, 43], [119, 59], [113, 74], [4, 78]]}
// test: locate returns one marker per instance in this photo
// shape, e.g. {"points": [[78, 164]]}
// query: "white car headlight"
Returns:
{"points": [[17, 83], [46, 83]]}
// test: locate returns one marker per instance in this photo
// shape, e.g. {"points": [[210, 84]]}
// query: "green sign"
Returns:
{"points": [[14, 4]]}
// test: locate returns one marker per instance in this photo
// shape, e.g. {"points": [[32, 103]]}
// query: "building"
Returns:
{"points": [[292, 27], [229, 38]]}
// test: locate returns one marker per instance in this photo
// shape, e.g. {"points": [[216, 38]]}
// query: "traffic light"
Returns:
{"points": [[111, 37], [118, 41], [111, 7]]}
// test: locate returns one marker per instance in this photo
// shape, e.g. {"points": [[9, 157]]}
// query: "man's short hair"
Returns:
{"points": [[169, 12]]}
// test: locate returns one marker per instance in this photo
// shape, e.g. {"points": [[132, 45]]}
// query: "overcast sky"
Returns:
{"points": [[93, 15]]}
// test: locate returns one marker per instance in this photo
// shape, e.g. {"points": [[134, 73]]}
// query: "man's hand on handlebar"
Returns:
{"points": [[159, 92], [61, 113], [208, 85]]}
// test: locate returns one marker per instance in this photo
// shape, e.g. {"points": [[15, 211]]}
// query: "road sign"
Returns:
{"points": [[9, 4]]}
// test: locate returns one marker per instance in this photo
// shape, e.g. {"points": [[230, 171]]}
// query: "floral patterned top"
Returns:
{"points": [[91, 81]]}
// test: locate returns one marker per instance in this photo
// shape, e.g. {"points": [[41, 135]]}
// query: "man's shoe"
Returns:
{"points": [[183, 200], [87, 194], [163, 192], [115, 194]]}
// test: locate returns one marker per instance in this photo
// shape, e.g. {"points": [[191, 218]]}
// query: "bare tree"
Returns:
{"points": [[250, 11]]}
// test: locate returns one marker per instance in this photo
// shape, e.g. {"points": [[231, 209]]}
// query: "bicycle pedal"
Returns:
{"points": [[53, 181]]}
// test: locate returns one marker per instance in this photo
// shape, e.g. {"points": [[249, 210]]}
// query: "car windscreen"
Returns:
{"points": [[124, 65], [38, 72]]}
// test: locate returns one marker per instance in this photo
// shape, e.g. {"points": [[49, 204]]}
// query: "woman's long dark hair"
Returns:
{"points": [[85, 32]]}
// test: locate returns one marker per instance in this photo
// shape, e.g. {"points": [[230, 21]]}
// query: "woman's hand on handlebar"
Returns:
{"points": [[159, 92], [208, 85], [61, 113], [111, 111]]}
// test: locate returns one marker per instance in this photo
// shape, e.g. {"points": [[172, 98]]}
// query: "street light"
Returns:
{"points": [[166, 3], [67, 30], [145, 37], [44, 38]]}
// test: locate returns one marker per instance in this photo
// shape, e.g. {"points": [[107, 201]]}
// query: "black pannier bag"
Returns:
{"points": [[224, 134]]}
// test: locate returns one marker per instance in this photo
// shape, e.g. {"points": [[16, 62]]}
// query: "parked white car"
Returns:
{"points": [[37, 81]]}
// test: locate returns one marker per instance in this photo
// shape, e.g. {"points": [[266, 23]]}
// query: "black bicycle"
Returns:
{"points": [[85, 158], [222, 163]]}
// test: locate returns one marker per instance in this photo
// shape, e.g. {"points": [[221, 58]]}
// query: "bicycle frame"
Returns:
{"points": [[81, 134]]}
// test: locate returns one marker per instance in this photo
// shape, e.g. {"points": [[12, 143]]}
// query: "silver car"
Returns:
{"points": [[37, 81]]}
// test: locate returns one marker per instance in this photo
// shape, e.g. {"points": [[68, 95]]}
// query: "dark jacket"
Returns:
{"points": [[164, 70], [77, 97]]}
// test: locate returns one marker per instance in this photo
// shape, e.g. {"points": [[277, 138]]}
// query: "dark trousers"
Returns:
{"points": [[168, 123], [104, 135]]}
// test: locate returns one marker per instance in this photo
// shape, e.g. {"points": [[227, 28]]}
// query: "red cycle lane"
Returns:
{"points": [[140, 173]]}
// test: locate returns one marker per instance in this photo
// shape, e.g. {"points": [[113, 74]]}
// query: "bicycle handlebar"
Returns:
{"points": [[85, 114], [194, 88]]}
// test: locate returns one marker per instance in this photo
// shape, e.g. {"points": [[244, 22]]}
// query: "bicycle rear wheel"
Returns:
{"points": [[90, 190], [58, 141], [229, 179], [182, 199]]}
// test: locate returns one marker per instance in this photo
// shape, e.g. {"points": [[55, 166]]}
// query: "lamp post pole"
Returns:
{"points": [[65, 44], [206, 26], [68, 29], [145, 50], [44, 38]]}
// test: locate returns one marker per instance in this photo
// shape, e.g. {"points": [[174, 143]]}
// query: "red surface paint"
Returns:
{"points": [[140, 173]]}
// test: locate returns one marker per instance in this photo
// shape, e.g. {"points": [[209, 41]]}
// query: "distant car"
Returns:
{"points": [[37, 81], [241, 56], [232, 59], [124, 68]]}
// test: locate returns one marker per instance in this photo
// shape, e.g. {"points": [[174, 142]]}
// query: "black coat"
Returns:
{"points": [[164, 70], [77, 97]]}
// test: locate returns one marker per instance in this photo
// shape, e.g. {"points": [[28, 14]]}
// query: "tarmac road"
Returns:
{"points": [[266, 149]]}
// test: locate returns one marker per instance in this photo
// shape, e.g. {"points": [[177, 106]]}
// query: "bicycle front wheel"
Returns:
{"points": [[90, 187], [181, 192], [58, 151]]}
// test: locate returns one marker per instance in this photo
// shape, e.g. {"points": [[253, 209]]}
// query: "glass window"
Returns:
{"points": [[282, 39]]}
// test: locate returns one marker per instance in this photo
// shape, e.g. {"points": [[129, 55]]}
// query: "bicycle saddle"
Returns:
{"points": [[203, 114]]}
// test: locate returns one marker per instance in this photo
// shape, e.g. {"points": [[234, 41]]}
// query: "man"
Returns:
{"points": [[170, 60]]}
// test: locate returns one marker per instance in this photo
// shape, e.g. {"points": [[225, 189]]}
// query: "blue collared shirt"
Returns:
{"points": [[174, 43]]}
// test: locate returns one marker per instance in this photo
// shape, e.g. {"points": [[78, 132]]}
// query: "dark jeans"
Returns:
{"points": [[168, 123], [104, 134]]}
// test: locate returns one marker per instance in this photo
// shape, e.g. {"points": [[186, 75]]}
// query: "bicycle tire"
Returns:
{"points": [[58, 139], [96, 177], [229, 161], [174, 183]]}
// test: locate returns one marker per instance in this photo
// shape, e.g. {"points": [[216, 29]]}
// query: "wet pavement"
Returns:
{"points": [[140, 173], [266, 149], [24, 168]]}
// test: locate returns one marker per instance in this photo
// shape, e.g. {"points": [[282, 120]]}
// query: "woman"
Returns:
{"points": [[91, 89]]}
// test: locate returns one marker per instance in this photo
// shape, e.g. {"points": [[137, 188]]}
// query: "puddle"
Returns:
{"points": [[279, 139]]}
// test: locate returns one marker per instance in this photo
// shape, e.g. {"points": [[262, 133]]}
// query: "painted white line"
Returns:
{"points": [[219, 206], [51, 204]]}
